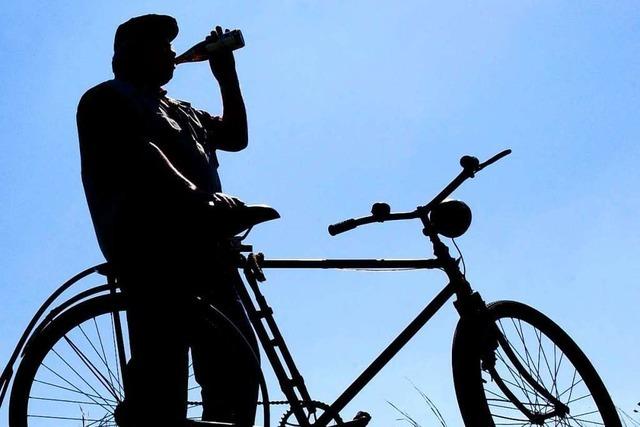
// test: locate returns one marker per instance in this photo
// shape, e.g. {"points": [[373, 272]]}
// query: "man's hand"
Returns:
{"points": [[227, 214], [222, 63], [223, 200]]}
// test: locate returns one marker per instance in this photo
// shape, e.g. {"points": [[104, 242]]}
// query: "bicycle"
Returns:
{"points": [[511, 363]]}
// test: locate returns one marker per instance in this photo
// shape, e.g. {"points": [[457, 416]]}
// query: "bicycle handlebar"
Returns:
{"points": [[352, 223], [343, 226], [380, 212]]}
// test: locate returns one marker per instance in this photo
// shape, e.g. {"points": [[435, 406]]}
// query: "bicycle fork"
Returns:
{"points": [[489, 339]]}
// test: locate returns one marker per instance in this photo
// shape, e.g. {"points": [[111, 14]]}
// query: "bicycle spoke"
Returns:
{"points": [[573, 384], [589, 422], [52, 417], [97, 395], [108, 383], [514, 349], [50, 399], [77, 391], [544, 355], [539, 358], [106, 418], [579, 398], [522, 384], [517, 386], [501, 397], [584, 413], [509, 407], [112, 376], [115, 353], [520, 333], [510, 418], [92, 368]]}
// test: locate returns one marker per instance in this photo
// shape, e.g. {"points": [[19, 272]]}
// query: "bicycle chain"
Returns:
{"points": [[272, 402]]}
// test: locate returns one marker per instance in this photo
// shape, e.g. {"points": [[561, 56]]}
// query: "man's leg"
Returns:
{"points": [[225, 365], [156, 376]]}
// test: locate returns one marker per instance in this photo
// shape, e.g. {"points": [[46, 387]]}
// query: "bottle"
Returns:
{"points": [[231, 40]]}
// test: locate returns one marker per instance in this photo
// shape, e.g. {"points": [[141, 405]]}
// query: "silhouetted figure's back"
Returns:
{"points": [[149, 169]]}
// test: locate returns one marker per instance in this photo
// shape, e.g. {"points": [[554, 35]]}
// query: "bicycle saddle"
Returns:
{"points": [[238, 219]]}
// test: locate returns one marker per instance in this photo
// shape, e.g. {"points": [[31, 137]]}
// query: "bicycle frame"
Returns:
{"points": [[261, 316]]}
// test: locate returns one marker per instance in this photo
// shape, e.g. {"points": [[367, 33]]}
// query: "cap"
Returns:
{"points": [[145, 27]]}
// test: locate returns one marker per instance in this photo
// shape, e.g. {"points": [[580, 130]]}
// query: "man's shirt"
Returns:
{"points": [[141, 152]]}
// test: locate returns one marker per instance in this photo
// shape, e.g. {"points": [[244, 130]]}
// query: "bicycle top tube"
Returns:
{"points": [[373, 264]]}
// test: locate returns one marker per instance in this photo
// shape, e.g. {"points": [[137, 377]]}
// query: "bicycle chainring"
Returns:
{"points": [[315, 409]]}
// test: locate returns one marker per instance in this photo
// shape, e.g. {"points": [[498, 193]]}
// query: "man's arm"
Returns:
{"points": [[213, 200], [231, 132]]}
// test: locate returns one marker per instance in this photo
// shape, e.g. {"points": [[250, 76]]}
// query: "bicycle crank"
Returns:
{"points": [[315, 409]]}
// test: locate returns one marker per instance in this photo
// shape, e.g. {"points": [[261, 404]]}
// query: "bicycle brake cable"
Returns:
{"points": [[464, 266]]}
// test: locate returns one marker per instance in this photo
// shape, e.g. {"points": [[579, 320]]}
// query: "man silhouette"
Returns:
{"points": [[149, 170]]}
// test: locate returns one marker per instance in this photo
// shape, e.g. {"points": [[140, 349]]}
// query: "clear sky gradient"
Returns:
{"points": [[349, 103]]}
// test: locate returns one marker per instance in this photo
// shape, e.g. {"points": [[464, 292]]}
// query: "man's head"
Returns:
{"points": [[142, 50]]}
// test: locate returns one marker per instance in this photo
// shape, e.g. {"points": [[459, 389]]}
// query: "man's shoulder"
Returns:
{"points": [[106, 88], [104, 94]]}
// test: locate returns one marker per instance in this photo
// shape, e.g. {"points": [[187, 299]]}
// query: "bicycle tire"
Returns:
{"points": [[537, 343], [45, 395]]}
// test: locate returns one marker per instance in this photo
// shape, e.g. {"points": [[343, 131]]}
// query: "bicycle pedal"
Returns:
{"points": [[360, 420]]}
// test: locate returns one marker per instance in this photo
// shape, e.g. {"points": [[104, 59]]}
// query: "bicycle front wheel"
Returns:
{"points": [[536, 375]]}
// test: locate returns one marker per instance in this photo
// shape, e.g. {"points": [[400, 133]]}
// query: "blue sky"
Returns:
{"points": [[352, 102]]}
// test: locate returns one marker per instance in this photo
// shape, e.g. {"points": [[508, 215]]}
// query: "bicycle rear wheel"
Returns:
{"points": [[71, 373], [539, 375]]}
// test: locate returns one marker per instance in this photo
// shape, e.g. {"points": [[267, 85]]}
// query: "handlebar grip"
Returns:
{"points": [[343, 226], [495, 158]]}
